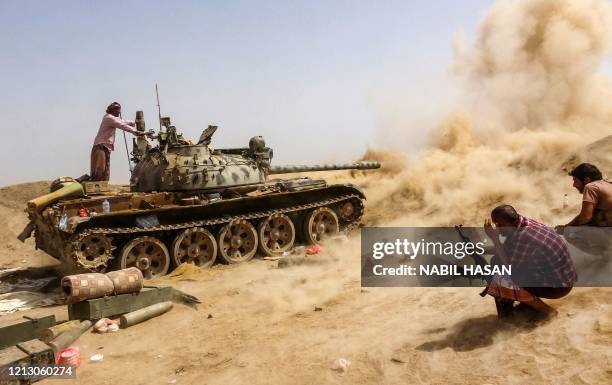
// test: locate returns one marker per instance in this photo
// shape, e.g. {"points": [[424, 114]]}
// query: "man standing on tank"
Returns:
{"points": [[105, 141]]}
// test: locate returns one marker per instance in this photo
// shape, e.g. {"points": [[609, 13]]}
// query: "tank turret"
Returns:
{"points": [[176, 164]]}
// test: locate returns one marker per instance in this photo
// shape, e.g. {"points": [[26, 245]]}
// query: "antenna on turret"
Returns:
{"points": [[126, 148], [158, 108]]}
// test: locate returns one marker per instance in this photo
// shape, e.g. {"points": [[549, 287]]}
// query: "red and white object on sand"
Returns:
{"points": [[69, 357], [314, 249]]}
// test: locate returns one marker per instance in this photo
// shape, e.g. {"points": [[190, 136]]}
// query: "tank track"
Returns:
{"points": [[74, 243]]}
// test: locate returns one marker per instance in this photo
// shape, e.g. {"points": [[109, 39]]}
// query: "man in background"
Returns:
{"points": [[596, 197], [104, 142], [596, 211]]}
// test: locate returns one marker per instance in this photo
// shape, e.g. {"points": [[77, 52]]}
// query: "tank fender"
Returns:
{"points": [[359, 190]]}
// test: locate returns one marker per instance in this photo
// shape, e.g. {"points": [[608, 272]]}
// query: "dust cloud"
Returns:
{"points": [[531, 99]]}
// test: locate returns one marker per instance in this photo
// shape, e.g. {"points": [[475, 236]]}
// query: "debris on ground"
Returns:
{"points": [[96, 357], [341, 365], [6, 271], [314, 249], [106, 325], [90, 297], [10, 282], [28, 279], [24, 300]]}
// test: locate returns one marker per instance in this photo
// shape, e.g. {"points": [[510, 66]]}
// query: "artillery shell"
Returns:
{"points": [[54, 331], [67, 338], [138, 316]]}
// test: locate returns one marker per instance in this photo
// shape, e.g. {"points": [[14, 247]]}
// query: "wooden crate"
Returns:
{"points": [[93, 309], [93, 188], [39, 353], [24, 329], [29, 353]]}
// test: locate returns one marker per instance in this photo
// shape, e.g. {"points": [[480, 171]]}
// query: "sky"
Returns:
{"points": [[319, 80]]}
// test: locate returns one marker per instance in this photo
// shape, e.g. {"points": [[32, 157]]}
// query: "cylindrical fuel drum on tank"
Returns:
{"points": [[141, 315], [80, 287], [69, 190], [127, 280]]}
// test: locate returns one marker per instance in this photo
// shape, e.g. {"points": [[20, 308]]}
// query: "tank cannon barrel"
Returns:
{"points": [[323, 167]]}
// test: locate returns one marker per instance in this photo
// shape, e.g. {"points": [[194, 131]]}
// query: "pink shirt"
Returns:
{"points": [[599, 193], [106, 132]]}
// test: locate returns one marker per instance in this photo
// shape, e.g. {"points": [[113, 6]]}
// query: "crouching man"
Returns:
{"points": [[539, 258]]}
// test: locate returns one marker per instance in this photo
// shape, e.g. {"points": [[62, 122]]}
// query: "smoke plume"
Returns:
{"points": [[532, 98]]}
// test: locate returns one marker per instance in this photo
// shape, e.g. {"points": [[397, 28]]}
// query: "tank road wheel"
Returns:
{"points": [[237, 241], [149, 254], [196, 246], [320, 224], [93, 252], [276, 234]]}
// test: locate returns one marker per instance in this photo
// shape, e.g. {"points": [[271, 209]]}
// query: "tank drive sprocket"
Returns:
{"points": [[92, 251]]}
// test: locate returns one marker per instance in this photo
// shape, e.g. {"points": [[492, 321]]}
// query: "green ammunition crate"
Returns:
{"points": [[29, 353], [24, 329], [93, 309]]}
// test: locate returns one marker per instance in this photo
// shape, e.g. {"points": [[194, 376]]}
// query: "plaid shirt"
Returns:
{"points": [[540, 256]]}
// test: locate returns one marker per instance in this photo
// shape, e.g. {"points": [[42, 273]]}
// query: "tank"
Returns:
{"points": [[190, 203]]}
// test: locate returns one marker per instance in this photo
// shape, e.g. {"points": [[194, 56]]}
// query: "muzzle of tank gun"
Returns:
{"points": [[324, 167]]}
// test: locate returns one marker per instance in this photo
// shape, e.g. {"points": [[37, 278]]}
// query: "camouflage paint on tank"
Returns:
{"points": [[178, 165]]}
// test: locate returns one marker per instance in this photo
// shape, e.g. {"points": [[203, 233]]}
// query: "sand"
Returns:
{"points": [[258, 325]]}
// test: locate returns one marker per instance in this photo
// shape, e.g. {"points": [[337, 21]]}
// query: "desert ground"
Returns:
{"points": [[257, 324]]}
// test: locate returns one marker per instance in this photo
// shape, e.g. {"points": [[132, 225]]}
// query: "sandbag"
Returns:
{"points": [[126, 281], [80, 287]]}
